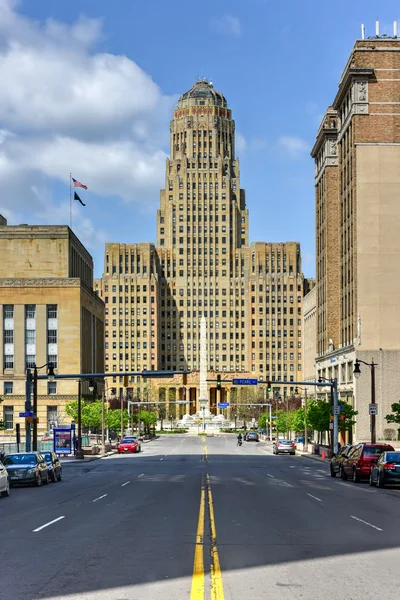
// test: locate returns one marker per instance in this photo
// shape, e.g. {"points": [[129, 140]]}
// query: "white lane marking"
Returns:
{"points": [[366, 523], [99, 498], [270, 475], [292, 467], [47, 524], [141, 475], [161, 459], [124, 484], [315, 497]]}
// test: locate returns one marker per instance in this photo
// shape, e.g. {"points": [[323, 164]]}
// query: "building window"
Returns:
{"points": [[30, 311], [53, 359], [30, 361], [8, 387], [52, 388], [52, 311], [8, 310], [51, 417], [8, 361], [8, 417], [52, 336]]}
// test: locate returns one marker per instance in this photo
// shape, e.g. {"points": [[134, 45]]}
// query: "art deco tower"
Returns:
{"points": [[201, 226]]}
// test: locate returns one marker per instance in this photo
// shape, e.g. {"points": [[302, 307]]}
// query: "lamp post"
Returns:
{"points": [[50, 377], [357, 373], [305, 444], [79, 452], [331, 439]]}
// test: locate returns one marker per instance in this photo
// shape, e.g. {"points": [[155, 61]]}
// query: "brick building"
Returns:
{"points": [[357, 153]]}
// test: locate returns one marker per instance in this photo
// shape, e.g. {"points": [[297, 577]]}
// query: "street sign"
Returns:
{"points": [[373, 409], [223, 404], [245, 381], [336, 410], [26, 414], [330, 425]]}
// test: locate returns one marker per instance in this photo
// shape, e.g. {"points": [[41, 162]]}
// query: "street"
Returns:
{"points": [[199, 517]]}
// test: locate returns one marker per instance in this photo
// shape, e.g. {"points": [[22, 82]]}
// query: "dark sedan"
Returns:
{"points": [[26, 467], [54, 465], [337, 460], [386, 470]]}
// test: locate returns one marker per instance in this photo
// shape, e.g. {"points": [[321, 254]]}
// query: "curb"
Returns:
{"points": [[313, 457]]}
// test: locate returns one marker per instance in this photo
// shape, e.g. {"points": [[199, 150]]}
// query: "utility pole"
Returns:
{"points": [[79, 452], [35, 410], [373, 416], [28, 408]]}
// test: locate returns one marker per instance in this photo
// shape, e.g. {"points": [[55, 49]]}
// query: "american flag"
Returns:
{"points": [[79, 184]]}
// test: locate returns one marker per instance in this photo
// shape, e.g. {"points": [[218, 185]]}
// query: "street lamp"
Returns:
{"points": [[50, 377], [320, 380], [357, 373]]}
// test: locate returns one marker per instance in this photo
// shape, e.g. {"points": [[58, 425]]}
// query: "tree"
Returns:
{"points": [[298, 423], [262, 421], [319, 415], [281, 421], [113, 419], [395, 417], [346, 420], [2, 425], [162, 414]]}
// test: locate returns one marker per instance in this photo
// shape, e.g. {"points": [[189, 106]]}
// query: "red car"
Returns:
{"points": [[360, 459], [128, 445]]}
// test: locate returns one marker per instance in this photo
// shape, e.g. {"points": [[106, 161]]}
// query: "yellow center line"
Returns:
{"points": [[197, 591], [217, 588], [205, 452]]}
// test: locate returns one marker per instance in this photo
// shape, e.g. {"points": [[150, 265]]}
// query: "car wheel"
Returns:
{"points": [[343, 474], [53, 476], [60, 476], [38, 481], [380, 483], [356, 477], [46, 481], [371, 481], [293, 453], [333, 474], [6, 492]]}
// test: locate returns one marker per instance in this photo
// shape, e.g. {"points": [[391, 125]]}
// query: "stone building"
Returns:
{"points": [[49, 314], [357, 153], [309, 328], [203, 264]]}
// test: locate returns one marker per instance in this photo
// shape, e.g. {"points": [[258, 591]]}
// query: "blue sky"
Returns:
{"points": [[89, 87]]}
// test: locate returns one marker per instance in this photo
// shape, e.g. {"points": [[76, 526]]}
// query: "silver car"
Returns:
{"points": [[284, 447], [4, 481]]}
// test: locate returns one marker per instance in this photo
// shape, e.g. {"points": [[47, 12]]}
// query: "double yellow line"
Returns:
{"points": [[198, 589]]}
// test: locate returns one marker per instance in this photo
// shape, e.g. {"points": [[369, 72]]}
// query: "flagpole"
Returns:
{"points": [[70, 200]]}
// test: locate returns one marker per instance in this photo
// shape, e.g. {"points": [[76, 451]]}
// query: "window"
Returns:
{"points": [[52, 389], [8, 361], [9, 336], [30, 361], [52, 311], [51, 417], [8, 387], [52, 336], [54, 360], [8, 311], [30, 311], [30, 336], [8, 417]]}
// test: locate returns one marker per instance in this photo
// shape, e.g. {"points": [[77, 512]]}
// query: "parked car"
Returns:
{"points": [[54, 465], [252, 436], [4, 481], [362, 457], [284, 447], [337, 460], [386, 470], [27, 467], [138, 439], [128, 445]]}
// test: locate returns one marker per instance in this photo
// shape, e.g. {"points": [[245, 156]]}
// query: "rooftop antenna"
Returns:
{"points": [[395, 29], [377, 28], [363, 32]]}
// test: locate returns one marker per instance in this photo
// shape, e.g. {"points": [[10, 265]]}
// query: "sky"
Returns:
{"points": [[89, 86]]}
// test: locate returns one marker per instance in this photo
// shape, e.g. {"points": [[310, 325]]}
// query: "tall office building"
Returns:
{"points": [[357, 157], [49, 313], [203, 264]]}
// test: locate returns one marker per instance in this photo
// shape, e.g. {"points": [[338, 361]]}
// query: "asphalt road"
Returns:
{"points": [[200, 518]]}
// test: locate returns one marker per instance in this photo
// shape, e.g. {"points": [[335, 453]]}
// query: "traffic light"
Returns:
{"points": [[218, 382], [269, 386]]}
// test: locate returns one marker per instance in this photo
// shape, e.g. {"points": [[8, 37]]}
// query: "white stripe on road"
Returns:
{"points": [[315, 497], [161, 459], [270, 475], [124, 484], [99, 498], [141, 475], [47, 524], [366, 523]]}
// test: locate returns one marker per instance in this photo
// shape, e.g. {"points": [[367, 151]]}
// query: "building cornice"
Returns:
{"points": [[346, 80]]}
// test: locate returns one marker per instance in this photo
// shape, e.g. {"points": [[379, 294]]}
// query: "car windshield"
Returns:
{"points": [[127, 441], [372, 451], [393, 457], [46, 455], [284, 442], [20, 459]]}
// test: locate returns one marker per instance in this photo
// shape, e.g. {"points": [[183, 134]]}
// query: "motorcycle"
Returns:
{"points": [[239, 442]]}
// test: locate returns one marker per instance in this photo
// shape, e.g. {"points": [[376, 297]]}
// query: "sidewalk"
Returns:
{"points": [[86, 459], [312, 456]]}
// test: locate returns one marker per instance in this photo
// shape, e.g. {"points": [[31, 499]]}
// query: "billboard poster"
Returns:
{"points": [[62, 441]]}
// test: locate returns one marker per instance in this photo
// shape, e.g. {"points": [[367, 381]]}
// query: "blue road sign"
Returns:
{"points": [[26, 414], [223, 404], [244, 381]]}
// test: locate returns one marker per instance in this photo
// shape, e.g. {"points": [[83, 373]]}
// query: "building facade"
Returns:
{"points": [[309, 316], [356, 155], [203, 264], [49, 313]]}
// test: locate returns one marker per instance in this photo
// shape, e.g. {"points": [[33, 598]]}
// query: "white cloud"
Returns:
{"points": [[227, 25], [293, 146], [66, 108], [240, 143]]}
